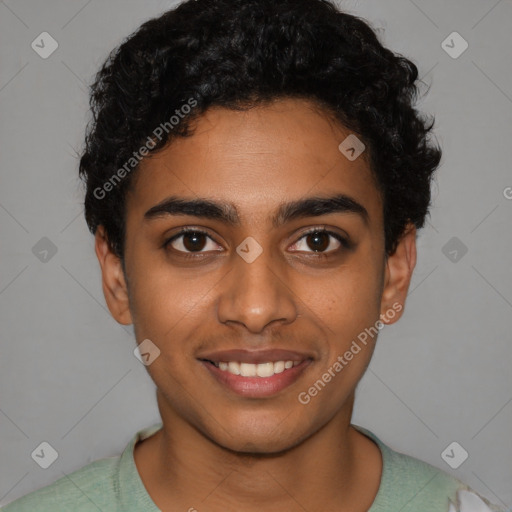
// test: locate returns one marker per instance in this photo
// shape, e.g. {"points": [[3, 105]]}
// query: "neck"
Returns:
{"points": [[337, 468]]}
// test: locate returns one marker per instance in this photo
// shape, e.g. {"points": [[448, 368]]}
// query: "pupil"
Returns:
{"points": [[196, 244], [318, 245]]}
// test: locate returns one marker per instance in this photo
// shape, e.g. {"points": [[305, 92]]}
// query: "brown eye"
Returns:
{"points": [[194, 241], [319, 240], [190, 241]]}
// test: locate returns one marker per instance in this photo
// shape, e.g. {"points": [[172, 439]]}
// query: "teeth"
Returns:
{"points": [[247, 370], [234, 368], [265, 370], [279, 367], [256, 370]]}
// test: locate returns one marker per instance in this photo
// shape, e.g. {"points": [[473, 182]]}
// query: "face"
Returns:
{"points": [[282, 270]]}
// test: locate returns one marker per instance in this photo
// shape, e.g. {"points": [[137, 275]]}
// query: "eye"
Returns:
{"points": [[190, 241], [320, 239]]}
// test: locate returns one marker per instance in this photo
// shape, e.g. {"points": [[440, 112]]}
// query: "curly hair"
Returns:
{"points": [[241, 53]]}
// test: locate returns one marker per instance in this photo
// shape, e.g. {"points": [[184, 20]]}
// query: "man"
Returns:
{"points": [[256, 174]]}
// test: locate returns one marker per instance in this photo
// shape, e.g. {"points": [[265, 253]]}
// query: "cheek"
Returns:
{"points": [[348, 307], [347, 300], [168, 303]]}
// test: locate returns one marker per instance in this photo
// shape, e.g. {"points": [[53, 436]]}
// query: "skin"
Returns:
{"points": [[219, 450]]}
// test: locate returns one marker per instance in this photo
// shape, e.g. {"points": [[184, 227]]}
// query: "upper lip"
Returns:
{"points": [[254, 356]]}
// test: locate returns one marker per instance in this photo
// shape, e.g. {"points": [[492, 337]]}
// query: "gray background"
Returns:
{"points": [[68, 375]]}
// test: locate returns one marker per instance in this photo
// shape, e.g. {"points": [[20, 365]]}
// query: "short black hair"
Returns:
{"points": [[238, 54]]}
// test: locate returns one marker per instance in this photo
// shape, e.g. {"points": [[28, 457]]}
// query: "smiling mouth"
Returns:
{"points": [[261, 378], [266, 369]]}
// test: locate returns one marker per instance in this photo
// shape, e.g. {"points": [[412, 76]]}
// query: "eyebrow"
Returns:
{"points": [[286, 212]]}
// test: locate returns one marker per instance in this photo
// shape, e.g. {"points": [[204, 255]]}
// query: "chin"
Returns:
{"points": [[261, 439], [257, 446]]}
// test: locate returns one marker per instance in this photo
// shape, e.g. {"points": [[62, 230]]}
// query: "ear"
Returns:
{"points": [[113, 280], [398, 273]]}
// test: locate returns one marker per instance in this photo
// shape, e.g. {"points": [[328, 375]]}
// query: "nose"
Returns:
{"points": [[256, 294]]}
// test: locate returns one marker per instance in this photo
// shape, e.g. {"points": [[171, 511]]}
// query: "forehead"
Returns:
{"points": [[256, 160]]}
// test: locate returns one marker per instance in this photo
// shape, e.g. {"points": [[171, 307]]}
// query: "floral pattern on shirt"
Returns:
{"points": [[470, 501]]}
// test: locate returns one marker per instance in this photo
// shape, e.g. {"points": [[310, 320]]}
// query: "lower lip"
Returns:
{"points": [[256, 387]]}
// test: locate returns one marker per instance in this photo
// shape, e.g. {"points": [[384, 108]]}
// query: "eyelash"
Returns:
{"points": [[189, 255]]}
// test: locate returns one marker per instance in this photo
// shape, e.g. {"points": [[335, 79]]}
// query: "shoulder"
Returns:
{"points": [[429, 488], [92, 487], [412, 485], [110, 483]]}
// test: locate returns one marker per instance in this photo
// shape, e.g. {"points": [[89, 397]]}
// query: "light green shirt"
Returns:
{"points": [[113, 484]]}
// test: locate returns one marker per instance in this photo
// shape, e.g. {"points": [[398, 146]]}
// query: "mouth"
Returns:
{"points": [[260, 370], [256, 374]]}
